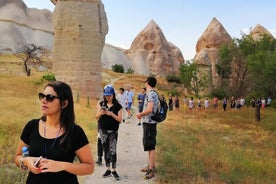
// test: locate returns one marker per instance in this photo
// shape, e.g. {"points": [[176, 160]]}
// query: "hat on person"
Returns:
{"points": [[108, 90], [151, 81]]}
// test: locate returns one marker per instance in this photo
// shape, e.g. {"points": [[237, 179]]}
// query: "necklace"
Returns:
{"points": [[45, 146]]}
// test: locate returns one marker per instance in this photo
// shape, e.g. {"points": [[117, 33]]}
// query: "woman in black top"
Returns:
{"points": [[109, 115], [57, 138]]}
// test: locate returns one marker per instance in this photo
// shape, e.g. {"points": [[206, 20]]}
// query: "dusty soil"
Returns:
{"points": [[131, 157]]}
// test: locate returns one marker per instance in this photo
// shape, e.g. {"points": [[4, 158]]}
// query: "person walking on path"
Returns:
{"points": [[130, 101], [191, 104], [149, 126], [206, 103], [122, 100], [109, 116], [141, 99], [258, 105], [215, 102], [224, 103], [57, 138], [176, 103], [170, 102]]}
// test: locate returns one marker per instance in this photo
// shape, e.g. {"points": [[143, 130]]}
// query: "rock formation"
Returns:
{"points": [[80, 29], [20, 26], [207, 49], [112, 55], [259, 31], [151, 53]]}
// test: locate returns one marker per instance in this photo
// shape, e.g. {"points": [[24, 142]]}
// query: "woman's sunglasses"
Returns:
{"points": [[49, 97]]}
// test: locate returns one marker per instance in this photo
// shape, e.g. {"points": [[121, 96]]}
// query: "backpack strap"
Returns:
{"points": [[154, 112]]}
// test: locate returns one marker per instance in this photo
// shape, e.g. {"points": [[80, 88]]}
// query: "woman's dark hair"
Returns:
{"points": [[114, 99], [67, 116]]}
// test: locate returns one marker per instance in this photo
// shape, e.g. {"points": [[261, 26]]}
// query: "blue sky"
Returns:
{"points": [[182, 21]]}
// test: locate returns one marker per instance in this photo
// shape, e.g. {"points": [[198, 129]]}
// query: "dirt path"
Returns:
{"points": [[130, 157]]}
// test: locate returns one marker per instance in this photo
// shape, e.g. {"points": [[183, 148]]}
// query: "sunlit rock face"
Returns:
{"points": [[207, 51], [80, 29], [20, 25], [151, 53], [259, 31]]}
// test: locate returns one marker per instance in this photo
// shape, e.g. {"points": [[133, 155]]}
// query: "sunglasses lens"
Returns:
{"points": [[49, 97], [41, 96]]}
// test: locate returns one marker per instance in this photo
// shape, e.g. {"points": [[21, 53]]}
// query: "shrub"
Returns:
{"points": [[48, 77], [173, 78], [220, 93], [174, 92], [118, 68], [130, 71]]}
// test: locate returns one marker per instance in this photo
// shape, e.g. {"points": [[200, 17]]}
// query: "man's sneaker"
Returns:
{"points": [[107, 173], [99, 161], [150, 174], [116, 176]]}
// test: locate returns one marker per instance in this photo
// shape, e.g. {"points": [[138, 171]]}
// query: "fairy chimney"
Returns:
{"points": [[260, 31], [151, 53], [207, 51], [80, 27]]}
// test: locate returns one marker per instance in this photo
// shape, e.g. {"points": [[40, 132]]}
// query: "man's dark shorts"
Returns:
{"points": [[149, 136]]}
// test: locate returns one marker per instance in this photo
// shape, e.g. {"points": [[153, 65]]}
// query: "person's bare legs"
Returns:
{"points": [[151, 159]]}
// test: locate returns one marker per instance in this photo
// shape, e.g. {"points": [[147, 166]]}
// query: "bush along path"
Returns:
{"points": [[131, 157]]}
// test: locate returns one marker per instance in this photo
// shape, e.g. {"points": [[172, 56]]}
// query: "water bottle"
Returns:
{"points": [[25, 151]]}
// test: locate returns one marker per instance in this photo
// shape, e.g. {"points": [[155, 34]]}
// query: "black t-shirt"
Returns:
{"points": [[40, 146], [108, 122]]}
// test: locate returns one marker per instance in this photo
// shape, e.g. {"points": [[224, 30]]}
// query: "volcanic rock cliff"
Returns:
{"points": [[20, 25]]}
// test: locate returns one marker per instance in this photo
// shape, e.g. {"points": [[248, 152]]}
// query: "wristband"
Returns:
{"points": [[21, 164]]}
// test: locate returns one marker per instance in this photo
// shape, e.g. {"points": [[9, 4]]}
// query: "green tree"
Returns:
{"points": [[239, 75], [248, 65], [190, 78], [262, 66], [223, 67]]}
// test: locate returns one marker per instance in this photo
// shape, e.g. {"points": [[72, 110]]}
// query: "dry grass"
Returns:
{"points": [[217, 147]]}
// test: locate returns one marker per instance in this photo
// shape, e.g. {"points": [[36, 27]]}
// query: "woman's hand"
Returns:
{"points": [[109, 113], [29, 162], [47, 165]]}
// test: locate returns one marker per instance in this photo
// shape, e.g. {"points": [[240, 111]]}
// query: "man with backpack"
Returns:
{"points": [[149, 125]]}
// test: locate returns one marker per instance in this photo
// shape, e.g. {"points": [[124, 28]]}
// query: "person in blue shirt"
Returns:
{"points": [[141, 98]]}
